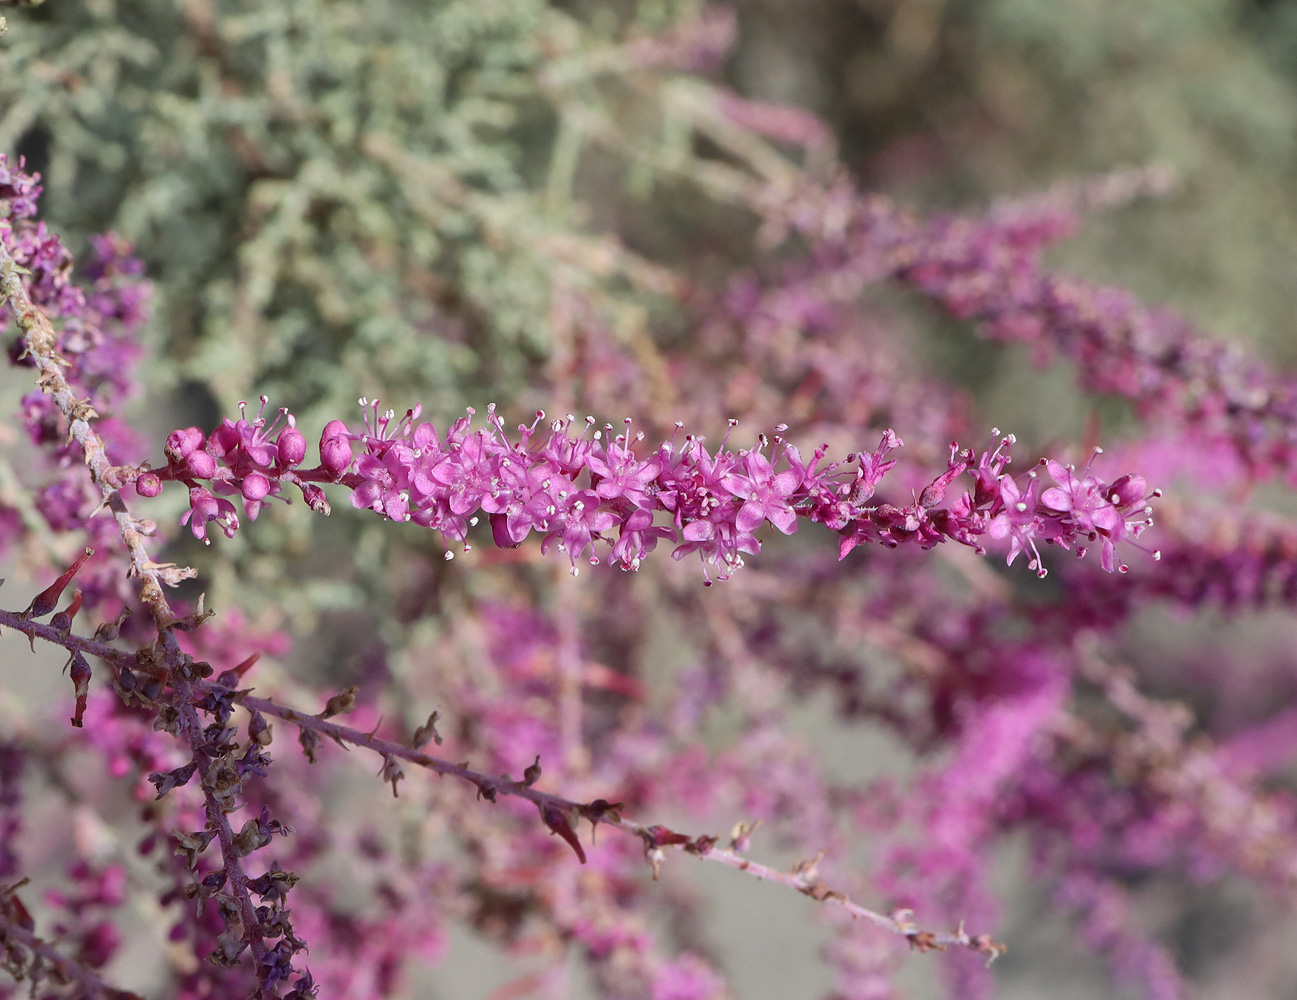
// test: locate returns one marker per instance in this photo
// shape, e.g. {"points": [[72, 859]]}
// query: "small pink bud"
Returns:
{"points": [[335, 448], [200, 465], [148, 484], [500, 532], [182, 442], [1127, 490], [292, 447], [255, 486], [226, 437]]}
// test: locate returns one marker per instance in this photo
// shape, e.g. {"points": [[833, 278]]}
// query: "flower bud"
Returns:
{"points": [[148, 484], [182, 442], [1127, 490], [226, 437], [292, 447], [255, 486], [335, 448], [200, 465]]}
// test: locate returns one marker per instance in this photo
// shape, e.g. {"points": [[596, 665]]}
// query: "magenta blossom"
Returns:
{"points": [[1019, 521], [581, 492], [204, 507], [765, 493], [1095, 509]]}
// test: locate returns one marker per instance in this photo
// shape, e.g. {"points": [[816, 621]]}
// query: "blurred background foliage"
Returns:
{"points": [[944, 102], [403, 198]]}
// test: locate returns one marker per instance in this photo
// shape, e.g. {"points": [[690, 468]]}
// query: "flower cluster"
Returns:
{"points": [[100, 322], [101, 316], [243, 458], [579, 489]]}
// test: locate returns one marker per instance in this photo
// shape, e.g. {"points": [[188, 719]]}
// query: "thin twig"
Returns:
{"points": [[655, 838], [92, 987]]}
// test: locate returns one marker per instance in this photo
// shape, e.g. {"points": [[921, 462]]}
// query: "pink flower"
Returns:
{"points": [[1096, 509], [203, 507], [574, 520], [638, 538], [1018, 521], [765, 493], [620, 474], [1082, 498], [386, 482]]}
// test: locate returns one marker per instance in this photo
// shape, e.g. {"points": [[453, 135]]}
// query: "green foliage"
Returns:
{"points": [[311, 183]]}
